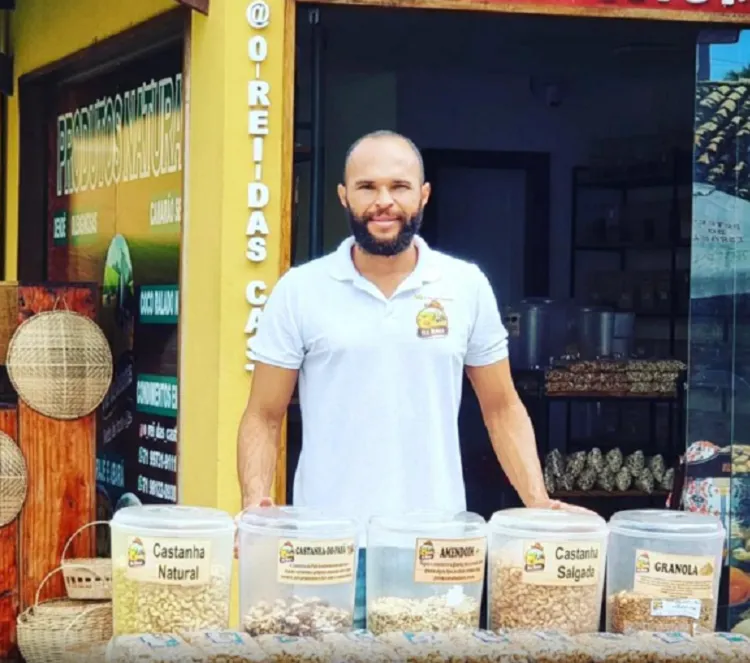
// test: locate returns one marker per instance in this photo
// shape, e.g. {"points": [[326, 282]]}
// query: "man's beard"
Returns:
{"points": [[376, 247]]}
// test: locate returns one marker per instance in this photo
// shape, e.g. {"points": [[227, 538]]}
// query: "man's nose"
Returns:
{"points": [[384, 198]]}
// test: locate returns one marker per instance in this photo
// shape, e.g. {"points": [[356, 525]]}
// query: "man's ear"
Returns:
{"points": [[426, 191], [341, 190]]}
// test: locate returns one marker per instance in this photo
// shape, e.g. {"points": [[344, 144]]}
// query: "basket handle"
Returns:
{"points": [[46, 579], [83, 613], [77, 532], [60, 299]]}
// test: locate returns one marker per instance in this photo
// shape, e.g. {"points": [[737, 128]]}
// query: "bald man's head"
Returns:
{"points": [[388, 136], [384, 192]]}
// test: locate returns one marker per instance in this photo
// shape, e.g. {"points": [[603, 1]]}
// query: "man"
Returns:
{"points": [[379, 333]]}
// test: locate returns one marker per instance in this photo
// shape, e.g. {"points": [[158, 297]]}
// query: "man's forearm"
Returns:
{"points": [[513, 440], [257, 452]]}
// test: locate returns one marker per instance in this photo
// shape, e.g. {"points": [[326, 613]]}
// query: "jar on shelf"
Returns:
{"points": [[425, 571], [172, 569], [664, 570], [298, 571], [546, 571]]}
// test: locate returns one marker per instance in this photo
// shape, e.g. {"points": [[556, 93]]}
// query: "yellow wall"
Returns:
{"points": [[42, 32], [216, 270]]}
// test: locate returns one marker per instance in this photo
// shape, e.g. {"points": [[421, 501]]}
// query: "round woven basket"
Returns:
{"points": [[60, 364], [13, 483], [87, 579], [48, 632]]}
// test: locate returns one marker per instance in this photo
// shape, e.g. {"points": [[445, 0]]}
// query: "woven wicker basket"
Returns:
{"points": [[46, 631], [60, 363], [13, 480], [90, 578]]}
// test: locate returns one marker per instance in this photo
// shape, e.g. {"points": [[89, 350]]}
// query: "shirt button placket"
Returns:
{"points": [[388, 314]]}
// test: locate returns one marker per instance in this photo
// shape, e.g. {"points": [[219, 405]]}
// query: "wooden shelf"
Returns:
{"points": [[630, 397]]}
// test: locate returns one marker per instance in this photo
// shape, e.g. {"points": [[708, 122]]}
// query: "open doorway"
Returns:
{"points": [[569, 158], [559, 150]]}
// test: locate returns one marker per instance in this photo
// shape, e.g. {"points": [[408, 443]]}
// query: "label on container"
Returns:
{"points": [[663, 576], [304, 562], [449, 561], [224, 638], [561, 563], [490, 638], [733, 637], [672, 638], [421, 638], [169, 561], [690, 608], [360, 635], [160, 641]]}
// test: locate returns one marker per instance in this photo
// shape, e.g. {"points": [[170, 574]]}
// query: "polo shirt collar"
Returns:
{"points": [[343, 269]]}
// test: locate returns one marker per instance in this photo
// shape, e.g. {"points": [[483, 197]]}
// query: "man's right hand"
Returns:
{"points": [[265, 502]]}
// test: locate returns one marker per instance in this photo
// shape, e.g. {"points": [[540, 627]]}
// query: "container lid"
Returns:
{"points": [[176, 518], [294, 521], [552, 522], [431, 522], [655, 522]]}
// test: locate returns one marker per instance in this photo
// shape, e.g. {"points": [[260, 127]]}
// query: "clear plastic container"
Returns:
{"points": [[298, 571], [172, 569], [151, 648], [664, 570], [425, 571], [546, 571]]}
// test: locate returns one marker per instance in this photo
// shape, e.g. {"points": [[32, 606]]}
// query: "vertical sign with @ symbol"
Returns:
{"points": [[258, 15]]}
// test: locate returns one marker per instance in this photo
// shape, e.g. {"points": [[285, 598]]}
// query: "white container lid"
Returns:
{"points": [[554, 524], [173, 519], [432, 523], [294, 522], [666, 524]]}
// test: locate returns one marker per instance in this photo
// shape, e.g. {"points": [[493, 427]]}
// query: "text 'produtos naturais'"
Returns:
{"points": [[133, 135], [256, 231]]}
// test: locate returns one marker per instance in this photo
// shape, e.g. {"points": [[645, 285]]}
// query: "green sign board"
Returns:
{"points": [[60, 228], [157, 394], [159, 304]]}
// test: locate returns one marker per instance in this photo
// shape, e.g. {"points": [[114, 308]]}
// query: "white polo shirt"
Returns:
{"points": [[380, 379]]}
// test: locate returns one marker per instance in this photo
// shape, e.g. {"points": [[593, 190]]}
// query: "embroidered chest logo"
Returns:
{"points": [[432, 321]]}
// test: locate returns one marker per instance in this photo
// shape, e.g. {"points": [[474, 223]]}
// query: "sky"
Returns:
{"points": [[728, 57]]}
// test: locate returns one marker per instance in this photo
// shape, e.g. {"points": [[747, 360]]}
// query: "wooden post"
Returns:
{"points": [[61, 461], [8, 557]]}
